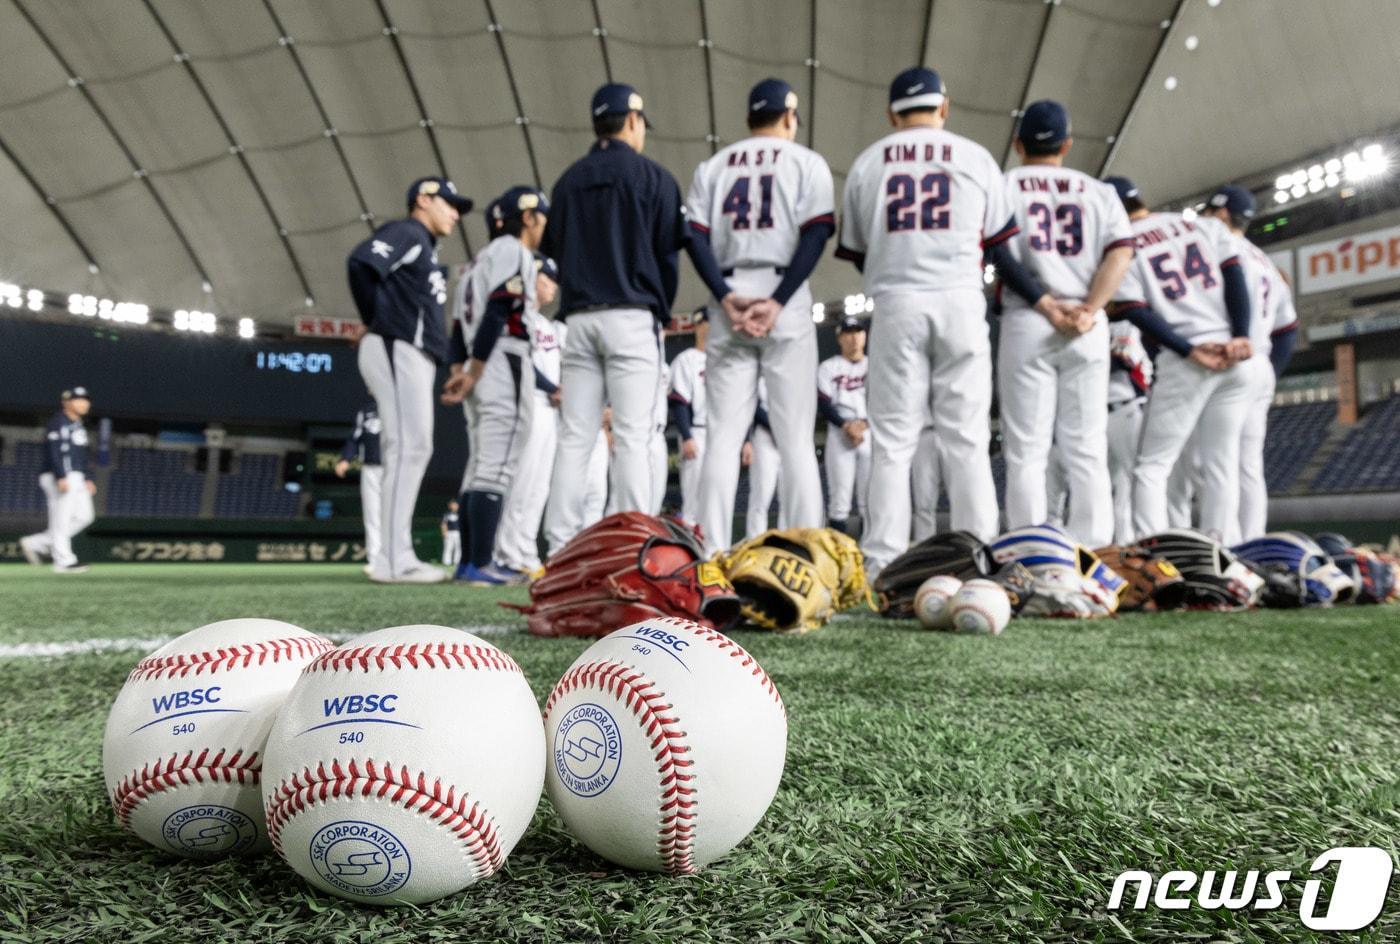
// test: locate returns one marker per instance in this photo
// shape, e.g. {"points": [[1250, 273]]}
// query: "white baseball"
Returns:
{"points": [[405, 766], [183, 750], [931, 601], [981, 606], [666, 744]]}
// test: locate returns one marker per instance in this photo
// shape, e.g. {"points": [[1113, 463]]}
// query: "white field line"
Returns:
{"points": [[83, 647]]}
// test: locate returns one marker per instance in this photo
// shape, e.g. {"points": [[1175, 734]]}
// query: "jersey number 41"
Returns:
{"points": [[736, 202]]}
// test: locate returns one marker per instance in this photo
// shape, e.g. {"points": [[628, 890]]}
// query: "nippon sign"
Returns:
{"points": [[1351, 260], [307, 326]]}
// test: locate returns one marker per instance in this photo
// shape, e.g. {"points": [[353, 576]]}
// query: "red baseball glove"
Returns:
{"points": [[627, 568]]}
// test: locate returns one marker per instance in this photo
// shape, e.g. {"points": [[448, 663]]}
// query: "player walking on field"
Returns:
{"points": [[616, 229], [68, 491], [1273, 332], [841, 402], [399, 291], [1052, 370], [923, 208], [492, 374], [1187, 291], [690, 415], [761, 212], [363, 445], [451, 529]]}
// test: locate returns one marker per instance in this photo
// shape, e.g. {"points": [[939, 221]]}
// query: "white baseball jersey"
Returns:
{"points": [[1177, 272], [1068, 222], [688, 382], [1130, 369], [920, 207], [842, 383], [546, 344], [1270, 298], [755, 196], [505, 265]]}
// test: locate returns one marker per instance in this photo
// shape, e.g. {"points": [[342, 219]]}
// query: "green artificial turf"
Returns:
{"points": [[938, 786]]}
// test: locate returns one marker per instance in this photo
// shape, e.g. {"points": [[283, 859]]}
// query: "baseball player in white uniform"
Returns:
{"points": [[67, 489], [517, 547], [761, 211], [923, 208], [1129, 380], [765, 465], [1187, 290], [451, 529], [690, 415], [399, 290], [841, 402], [1273, 330], [1052, 372], [363, 445], [493, 375]]}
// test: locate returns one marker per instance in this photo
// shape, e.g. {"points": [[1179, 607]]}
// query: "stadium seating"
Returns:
{"points": [[254, 489], [154, 483], [1369, 458], [1294, 434], [19, 488]]}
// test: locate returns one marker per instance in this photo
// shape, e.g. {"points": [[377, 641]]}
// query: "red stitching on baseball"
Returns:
{"points": [[735, 650], [229, 657], [675, 839], [991, 623], [176, 771], [430, 655], [471, 824]]}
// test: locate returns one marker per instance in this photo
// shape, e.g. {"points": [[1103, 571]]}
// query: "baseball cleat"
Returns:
{"points": [[71, 569], [422, 573], [508, 576], [31, 553], [474, 576]]}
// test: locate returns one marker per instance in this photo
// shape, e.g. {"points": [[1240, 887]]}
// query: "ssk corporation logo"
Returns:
{"points": [[1354, 901], [587, 750]]}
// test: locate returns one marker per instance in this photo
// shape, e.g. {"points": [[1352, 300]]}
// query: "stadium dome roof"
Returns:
{"points": [[225, 155]]}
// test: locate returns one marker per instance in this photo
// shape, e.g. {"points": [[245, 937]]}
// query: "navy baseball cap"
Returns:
{"points": [[1127, 190], [1237, 200], [1044, 124], [77, 393], [547, 267], [849, 323], [771, 96], [616, 98], [442, 187], [917, 88], [515, 201]]}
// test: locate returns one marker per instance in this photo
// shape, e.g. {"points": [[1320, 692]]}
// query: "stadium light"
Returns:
{"points": [[1353, 167], [246, 328], [10, 294], [203, 322], [818, 312]]}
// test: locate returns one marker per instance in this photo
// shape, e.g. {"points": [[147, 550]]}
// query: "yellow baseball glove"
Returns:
{"points": [[795, 580]]}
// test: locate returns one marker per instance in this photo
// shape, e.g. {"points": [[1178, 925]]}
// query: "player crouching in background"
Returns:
{"points": [[492, 375], [67, 489]]}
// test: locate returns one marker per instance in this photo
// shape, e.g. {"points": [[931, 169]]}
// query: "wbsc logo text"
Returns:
{"points": [[1357, 895]]}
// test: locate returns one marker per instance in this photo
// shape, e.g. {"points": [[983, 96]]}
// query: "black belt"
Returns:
{"points": [[1115, 407], [781, 270]]}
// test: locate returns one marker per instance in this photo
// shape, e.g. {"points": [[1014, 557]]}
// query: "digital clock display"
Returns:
{"points": [[294, 362]]}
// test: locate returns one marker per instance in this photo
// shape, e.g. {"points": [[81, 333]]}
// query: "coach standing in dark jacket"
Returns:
{"points": [[616, 227]]}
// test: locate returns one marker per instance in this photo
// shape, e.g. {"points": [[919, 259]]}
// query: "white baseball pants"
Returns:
{"points": [[1254, 490], [787, 361], [517, 536], [69, 512], [660, 470], [847, 474], [452, 548], [767, 464], [1054, 389], [928, 347], [400, 378], [371, 508], [925, 485], [1188, 398], [610, 357], [595, 491], [1124, 432], [498, 418], [690, 477]]}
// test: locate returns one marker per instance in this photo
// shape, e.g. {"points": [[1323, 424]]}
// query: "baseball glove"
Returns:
{"points": [[1070, 581], [955, 553], [795, 580], [1150, 584], [1215, 578], [627, 568], [1374, 578], [1296, 571]]}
